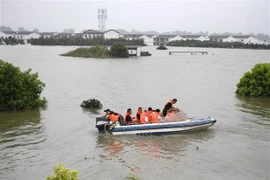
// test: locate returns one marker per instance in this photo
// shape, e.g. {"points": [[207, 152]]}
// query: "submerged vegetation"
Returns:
{"points": [[19, 90], [196, 43], [62, 173], [97, 51], [92, 103], [255, 83]]}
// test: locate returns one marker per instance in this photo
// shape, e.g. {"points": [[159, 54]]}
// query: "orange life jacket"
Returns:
{"points": [[114, 117], [155, 117], [149, 115], [142, 118]]}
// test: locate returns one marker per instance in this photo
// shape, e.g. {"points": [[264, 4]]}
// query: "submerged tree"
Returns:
{"points": [[119, 50], [19, 90], [256, 82]]}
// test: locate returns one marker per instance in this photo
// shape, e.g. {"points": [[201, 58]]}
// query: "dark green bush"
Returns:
{"points": [[256, 82], [19, 90], [119, 50]]}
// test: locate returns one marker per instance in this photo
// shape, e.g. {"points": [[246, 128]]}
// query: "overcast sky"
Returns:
{"points": [[212, 16]]}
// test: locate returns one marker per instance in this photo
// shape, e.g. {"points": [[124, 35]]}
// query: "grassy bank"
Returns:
{"points": [[92, 52], [117, 51]]}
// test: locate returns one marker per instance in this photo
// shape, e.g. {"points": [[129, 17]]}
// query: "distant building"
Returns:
{"points": [[196, 37], [148, 39], [111, 34], [246, 39], [132, 36], [47, 34], [89, 34]]}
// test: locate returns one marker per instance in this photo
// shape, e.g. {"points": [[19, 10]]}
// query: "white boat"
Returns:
{"points": [[191, 124]]}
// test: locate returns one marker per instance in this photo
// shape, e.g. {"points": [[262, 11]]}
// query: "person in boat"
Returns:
{"points": [[128, 117], [114, 116], [138, 114], [143, 117], [107, 112], [149, 114], [156, 117], [169, 105]]}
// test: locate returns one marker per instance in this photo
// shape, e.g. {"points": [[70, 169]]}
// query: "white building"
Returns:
{"points": [[47, 34], [111, 34], [246, 39], [132, 36], [89, 34], [27, 35], [196, 37], [148, 39]]}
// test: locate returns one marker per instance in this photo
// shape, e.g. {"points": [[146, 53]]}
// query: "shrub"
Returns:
{"points": [[256, 82], [19, 90], [119, 50], [62, 173], [92, 103]]}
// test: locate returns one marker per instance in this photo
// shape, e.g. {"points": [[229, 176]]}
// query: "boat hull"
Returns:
{"points": [[163, 128]]}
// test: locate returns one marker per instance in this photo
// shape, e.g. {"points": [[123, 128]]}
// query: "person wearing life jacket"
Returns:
{"points": [[149, 114], [114, 116], [128, 119], [156, 116], [168, 106], [143, 117], [138, 114]]}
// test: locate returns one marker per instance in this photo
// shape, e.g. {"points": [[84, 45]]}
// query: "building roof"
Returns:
{"points": [[91, 31], [241, 37], [47, 33], [63, 34], [133, 35], [9, 32], [25, 32], [166, 36], [191, 36], [218, 37], [111, 30], [78, 34]]}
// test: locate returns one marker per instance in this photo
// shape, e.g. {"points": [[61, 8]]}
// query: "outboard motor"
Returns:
{"points": [[103, 124]]}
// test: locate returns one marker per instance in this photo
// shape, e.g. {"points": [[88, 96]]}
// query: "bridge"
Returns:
{"points": [[188, 52]]}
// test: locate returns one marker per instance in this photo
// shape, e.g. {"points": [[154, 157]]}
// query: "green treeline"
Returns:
{"points": [[11, 41], [215, 44], [79, 41]]}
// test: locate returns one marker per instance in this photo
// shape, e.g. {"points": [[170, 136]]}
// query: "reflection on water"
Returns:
{"points": [[259, 106], [153, 147], [20, 133], [129, 151]]}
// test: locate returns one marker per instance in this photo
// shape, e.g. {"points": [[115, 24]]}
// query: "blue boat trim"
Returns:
{"points": [[162, 126]]}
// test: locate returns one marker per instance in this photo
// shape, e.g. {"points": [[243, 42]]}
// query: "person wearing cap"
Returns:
{"points": [[169, 105], [107, 111]]}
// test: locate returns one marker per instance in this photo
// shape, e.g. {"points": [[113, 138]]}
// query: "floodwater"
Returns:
{"points": [[236, 147]]}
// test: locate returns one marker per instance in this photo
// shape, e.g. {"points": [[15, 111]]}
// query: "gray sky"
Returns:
{"points": [[212, 16]]}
